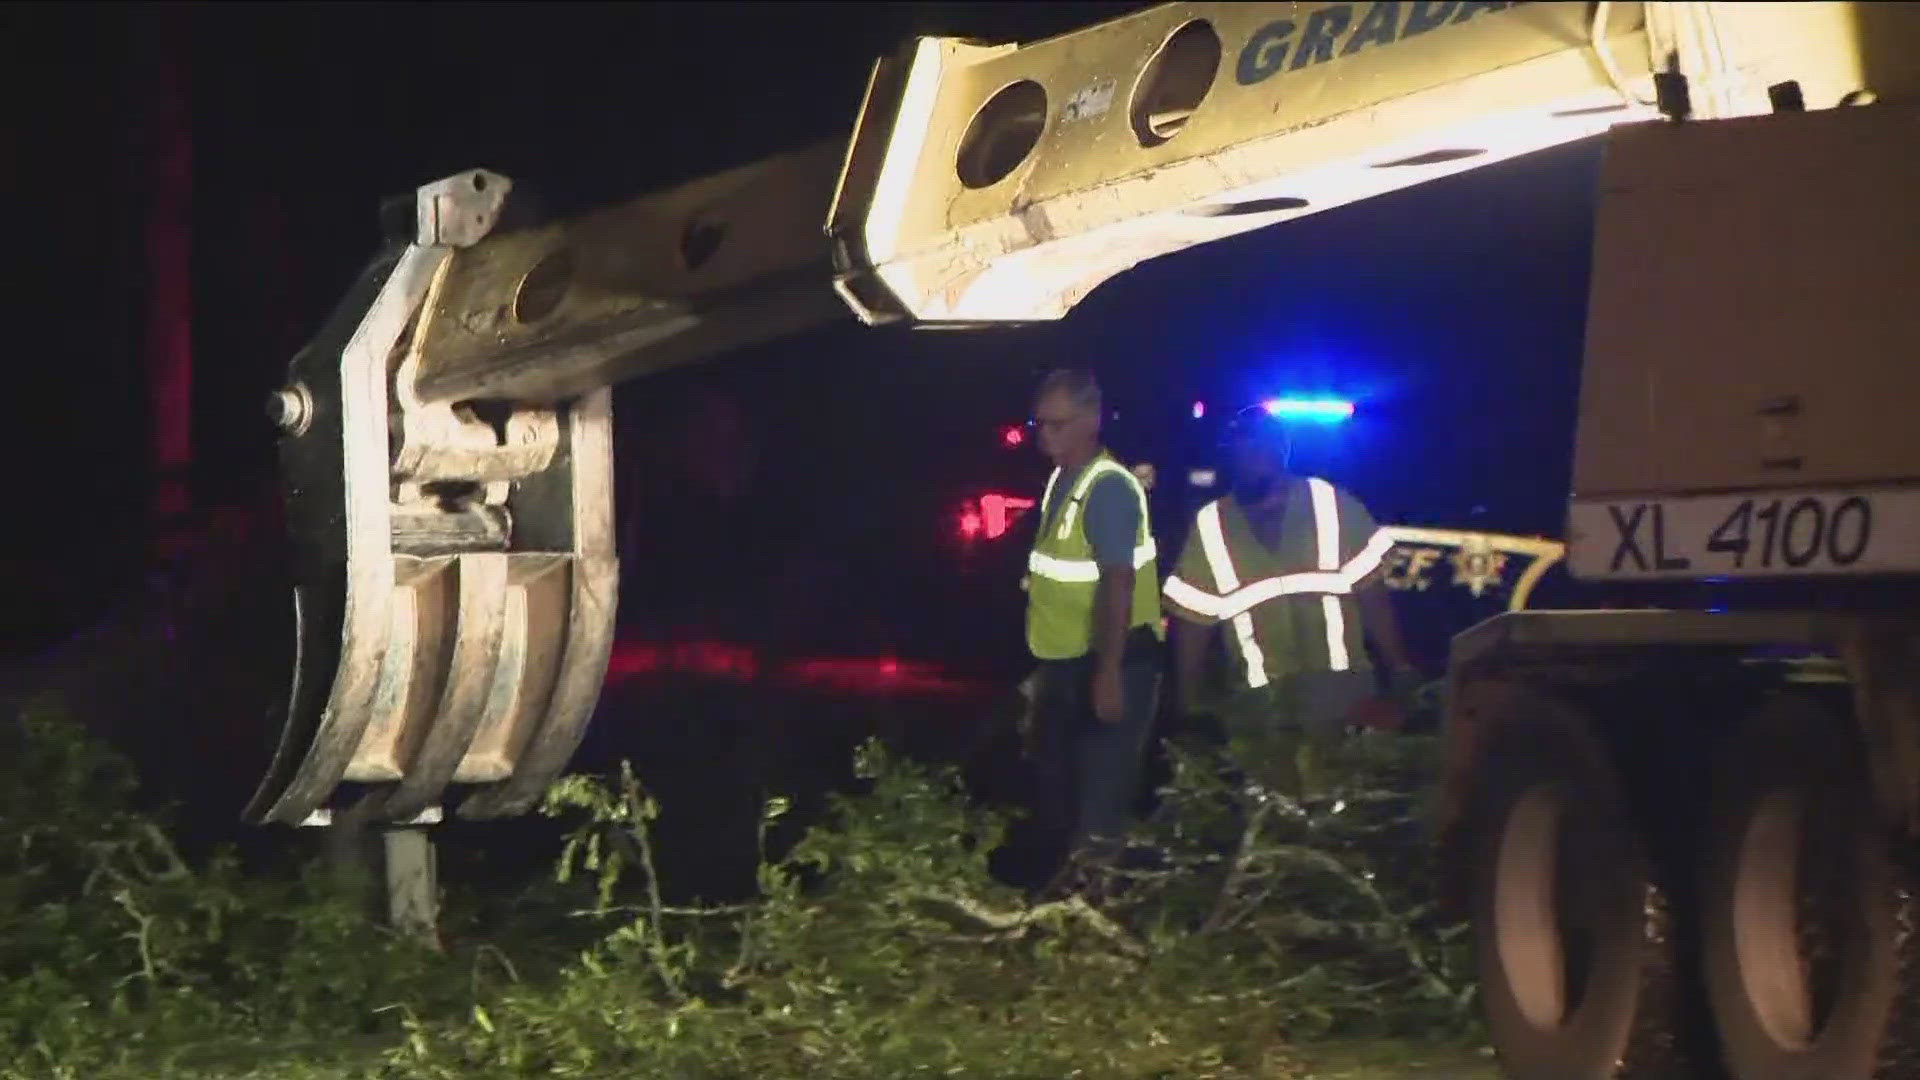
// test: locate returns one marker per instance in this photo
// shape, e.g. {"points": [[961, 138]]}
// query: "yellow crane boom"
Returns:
{"points": [[445, 436]]}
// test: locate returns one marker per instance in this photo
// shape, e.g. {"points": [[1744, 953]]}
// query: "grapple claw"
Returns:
{"points": [[455, 571]]}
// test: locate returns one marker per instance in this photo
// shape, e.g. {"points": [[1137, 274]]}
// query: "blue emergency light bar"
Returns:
{"points": [[1312, 410]]}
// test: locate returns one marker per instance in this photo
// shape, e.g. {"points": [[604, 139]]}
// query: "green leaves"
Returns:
{"points": [[879, 947]]}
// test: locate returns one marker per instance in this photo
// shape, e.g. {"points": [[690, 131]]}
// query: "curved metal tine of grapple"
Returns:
{"points": [[368, 599], [478, 621], [593, 595], [412, 674], [312, 456], [343, 720], [539, 585], [316, 658]]}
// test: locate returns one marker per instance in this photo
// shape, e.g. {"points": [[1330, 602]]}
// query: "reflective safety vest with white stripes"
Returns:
{"points": [[1284, 613], [1062, 576]]}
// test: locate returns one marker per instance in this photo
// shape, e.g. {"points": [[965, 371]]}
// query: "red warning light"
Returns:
{"points": [[997, 513], [1011, 436], [991, 516]]}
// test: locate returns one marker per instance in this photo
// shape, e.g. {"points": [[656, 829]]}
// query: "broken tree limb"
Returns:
{"points": [[967, 913]]}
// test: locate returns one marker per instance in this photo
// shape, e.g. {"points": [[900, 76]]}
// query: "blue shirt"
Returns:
{"points": [[1111, 515]]}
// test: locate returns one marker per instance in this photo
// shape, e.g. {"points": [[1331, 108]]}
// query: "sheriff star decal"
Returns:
{"points": [[1476, 567]]}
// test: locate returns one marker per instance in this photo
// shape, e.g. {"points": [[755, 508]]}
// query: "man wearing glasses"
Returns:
{"points": [[1093, 621], [1289, 568]]}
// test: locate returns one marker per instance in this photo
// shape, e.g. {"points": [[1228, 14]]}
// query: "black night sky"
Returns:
{"points": [[1452, 310]]}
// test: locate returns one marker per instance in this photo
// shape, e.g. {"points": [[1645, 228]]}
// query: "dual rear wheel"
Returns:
{"points": [[1798, 900], [1797, 906]]}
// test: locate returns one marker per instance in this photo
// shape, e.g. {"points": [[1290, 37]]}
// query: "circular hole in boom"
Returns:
{"points": [[1174, 83], [1003, 133], [543, 288]]}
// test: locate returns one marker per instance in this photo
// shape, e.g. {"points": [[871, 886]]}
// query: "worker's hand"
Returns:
{"points": [[1109, 700]]}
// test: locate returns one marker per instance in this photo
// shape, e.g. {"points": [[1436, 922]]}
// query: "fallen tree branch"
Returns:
{"points": [[967, 913], [1242, 860]]}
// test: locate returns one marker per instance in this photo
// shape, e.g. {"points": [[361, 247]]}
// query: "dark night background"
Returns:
{"points": [[265, 136]]}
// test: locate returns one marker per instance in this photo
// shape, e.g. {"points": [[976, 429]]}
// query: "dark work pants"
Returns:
{"points": [[1089, 772]]}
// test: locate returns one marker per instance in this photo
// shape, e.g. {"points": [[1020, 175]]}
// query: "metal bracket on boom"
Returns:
{"points": [[454, 564], [447, 453], [1671, 91]]}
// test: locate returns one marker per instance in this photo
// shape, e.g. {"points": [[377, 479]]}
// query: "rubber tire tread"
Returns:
{"points": [[1618, 1029], [1658, 1047], [1791, 739]]}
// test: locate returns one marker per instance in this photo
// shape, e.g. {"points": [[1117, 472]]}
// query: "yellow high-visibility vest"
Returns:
{"points": [[1282, 616], [1062, 576]]}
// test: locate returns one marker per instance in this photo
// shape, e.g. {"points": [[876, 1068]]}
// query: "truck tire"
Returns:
{"points": [[1564, 961], [1785, 1011]]}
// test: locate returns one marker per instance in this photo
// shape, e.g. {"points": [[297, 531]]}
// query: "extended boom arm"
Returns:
{"points": [[446, 444]]}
